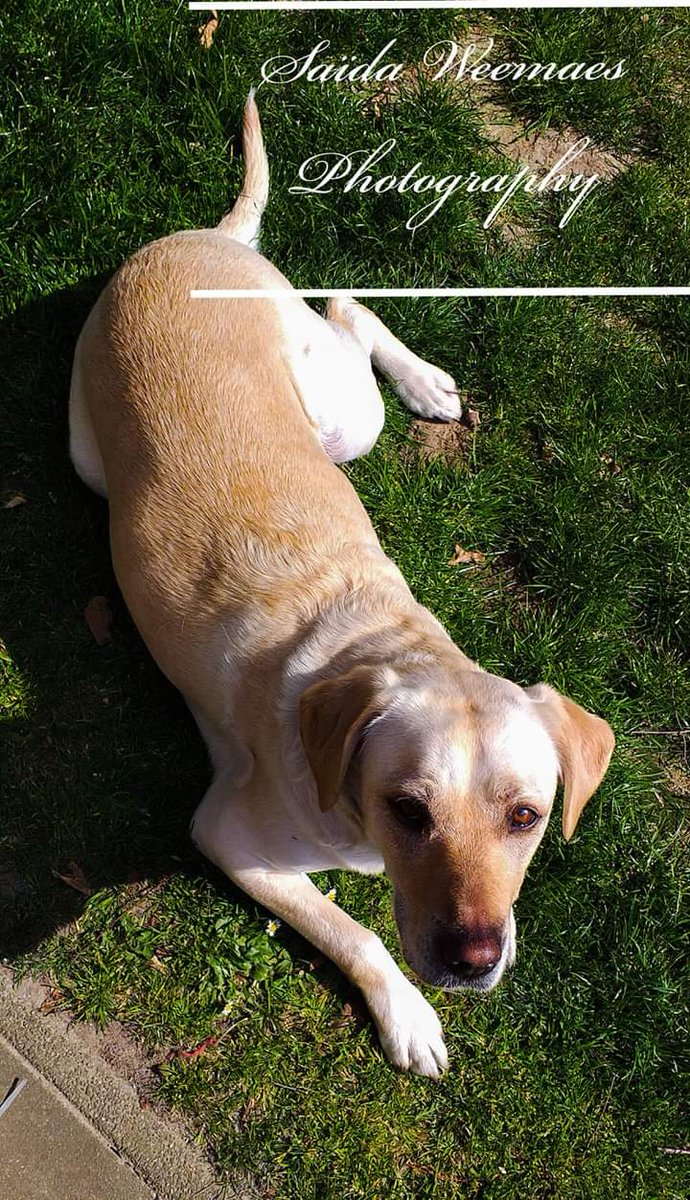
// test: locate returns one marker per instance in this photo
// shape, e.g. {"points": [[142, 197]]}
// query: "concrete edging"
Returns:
{"points": [[175, 1169]]}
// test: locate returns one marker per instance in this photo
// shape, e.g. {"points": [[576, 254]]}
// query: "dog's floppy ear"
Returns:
{"points": [[333, 717], [584, 744]]}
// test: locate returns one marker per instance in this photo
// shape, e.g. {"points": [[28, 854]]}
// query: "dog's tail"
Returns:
{"points": [[244, 219]]}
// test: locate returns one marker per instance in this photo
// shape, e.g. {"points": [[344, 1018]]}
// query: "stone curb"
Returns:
{"points": [[175, 1169]]}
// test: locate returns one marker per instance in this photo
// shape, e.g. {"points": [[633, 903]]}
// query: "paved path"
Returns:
{"points": [[76, 1130], [48, 1151]]}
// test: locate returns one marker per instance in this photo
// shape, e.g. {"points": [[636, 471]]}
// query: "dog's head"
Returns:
{"points": [[455, 780]]}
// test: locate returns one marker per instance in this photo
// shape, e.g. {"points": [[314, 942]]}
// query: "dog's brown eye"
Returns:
{"points": [[410, 811], [523, 818]]}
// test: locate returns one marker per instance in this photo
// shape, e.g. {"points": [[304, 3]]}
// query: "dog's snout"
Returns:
{"points": [[469, 956]]}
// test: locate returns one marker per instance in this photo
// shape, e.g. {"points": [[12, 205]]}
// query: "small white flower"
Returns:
{"points": [[271, 928], [331, 895], [228, 1009]]}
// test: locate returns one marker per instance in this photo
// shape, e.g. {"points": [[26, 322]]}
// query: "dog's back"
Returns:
{"points": [[175, 397]]}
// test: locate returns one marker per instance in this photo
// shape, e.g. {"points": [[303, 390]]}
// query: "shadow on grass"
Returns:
{"points": [[102, 765]]}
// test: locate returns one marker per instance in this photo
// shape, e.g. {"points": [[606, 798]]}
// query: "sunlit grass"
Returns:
{"points": [[571, 1079]]}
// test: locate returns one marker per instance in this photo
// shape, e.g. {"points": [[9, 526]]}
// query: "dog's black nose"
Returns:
{"points": [[467, 956]]}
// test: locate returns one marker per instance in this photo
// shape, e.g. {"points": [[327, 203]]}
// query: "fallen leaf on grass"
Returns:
{"points": [[15, 501], [207, 31], [75, 878], [466, 556], [610, 465], [99, 618], [52, 1001], [354, 1010], [346, 1015], [158, 964], [472, 418], [202, 1047]]}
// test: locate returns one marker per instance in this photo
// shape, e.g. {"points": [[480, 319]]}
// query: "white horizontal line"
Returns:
{"points": [[358, 5], [323, 293]]}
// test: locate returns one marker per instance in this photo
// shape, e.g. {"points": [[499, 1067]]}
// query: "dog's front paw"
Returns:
{"points": [[409, 1030], [429, 392]]}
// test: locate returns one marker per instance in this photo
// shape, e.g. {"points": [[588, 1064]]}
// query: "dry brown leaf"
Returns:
{"points": [[609, 462], [207, 31], [75, 878], [99, 618], [15, 501], [202, 1047], [52, 1000], [466, 556], [346, 1015], [472, 418], [158, 964]]}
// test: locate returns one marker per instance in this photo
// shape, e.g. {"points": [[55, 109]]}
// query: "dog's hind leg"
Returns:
{"points": [[333, 377], [423, 388], [83, 446]]}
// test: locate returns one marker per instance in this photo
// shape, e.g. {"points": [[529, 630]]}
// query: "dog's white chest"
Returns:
{"points": [[298, 853]]}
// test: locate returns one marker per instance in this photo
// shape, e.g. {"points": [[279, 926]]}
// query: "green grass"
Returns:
{"points": [[571, 1078]]}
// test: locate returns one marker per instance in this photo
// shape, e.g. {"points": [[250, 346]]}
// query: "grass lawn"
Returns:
{"points": [[571, 1080]]}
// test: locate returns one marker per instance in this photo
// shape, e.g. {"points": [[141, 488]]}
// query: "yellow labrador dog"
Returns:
{"points": [[344, 726]]}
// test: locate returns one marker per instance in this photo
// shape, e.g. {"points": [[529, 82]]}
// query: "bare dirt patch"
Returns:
{"points": [[540, 149], [536, 148], [128, 1057], [629, 332], [674, 764], [678, 778], [450, 442], [508, 135]]}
